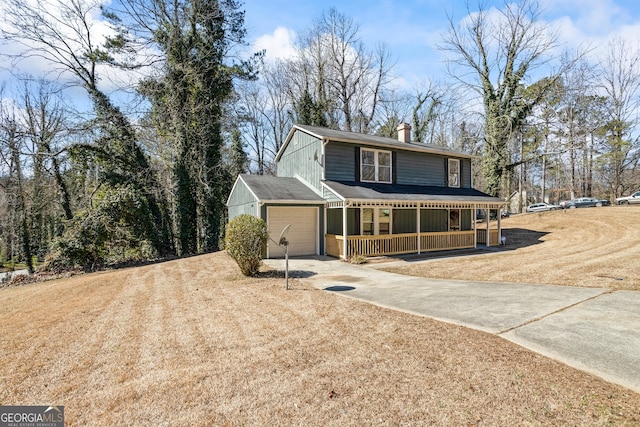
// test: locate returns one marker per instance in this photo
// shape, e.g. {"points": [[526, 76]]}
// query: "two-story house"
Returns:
{"points": [[345, 193]]}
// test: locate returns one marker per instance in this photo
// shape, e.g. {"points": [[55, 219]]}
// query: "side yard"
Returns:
{"points": [[593, 247], [192, 342]]}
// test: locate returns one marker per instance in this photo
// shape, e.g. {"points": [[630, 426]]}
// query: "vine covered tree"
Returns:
{"points": [[500, 48], [196, 39], [75, 51]]}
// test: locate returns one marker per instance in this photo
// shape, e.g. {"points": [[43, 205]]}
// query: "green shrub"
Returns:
{"points": [[246, 241], [114, 230]]}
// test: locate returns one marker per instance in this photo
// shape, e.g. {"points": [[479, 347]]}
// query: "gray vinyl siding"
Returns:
{"points": [[329, 195], [433, 220], [302, 158], [353, 221], [428, 169], [241, 201], [404, 221], [411, 168], [465, 164], [334, 221], [341, 161], [465, 220], [420, 169]]}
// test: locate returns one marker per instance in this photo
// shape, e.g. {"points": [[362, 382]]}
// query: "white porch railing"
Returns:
{"points": [[395, 244], [494, 237]]}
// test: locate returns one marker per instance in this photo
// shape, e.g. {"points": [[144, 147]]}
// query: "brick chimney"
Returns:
{"points": [[404, 132]]}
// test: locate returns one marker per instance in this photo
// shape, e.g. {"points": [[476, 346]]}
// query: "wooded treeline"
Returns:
{"points": [[144, 170]]}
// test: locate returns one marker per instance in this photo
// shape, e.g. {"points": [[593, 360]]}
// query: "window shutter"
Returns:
{"points": [[357, 167], [446, 172], [394, 167], [460, 180]]}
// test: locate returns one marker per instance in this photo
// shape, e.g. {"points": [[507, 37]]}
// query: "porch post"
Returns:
{"points": [[344, 230], [488, 217], [418, 227], [474, 213]]}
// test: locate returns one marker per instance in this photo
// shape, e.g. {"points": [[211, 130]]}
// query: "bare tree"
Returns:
{"points": [[344, 78], [492, 52], [253, 115], [279, 119], [573, 114], [63, 34], [45, 125], [12, 141], [263, 110], [620, 80]]}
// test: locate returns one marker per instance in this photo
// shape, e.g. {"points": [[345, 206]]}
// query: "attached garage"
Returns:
{"points": [[302, 233], [280, 202]]}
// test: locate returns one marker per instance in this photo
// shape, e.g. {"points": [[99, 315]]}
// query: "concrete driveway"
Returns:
{"points": [[594, 330]]}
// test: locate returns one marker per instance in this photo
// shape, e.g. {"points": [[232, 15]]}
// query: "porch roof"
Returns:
{"points": [[410, 193]]}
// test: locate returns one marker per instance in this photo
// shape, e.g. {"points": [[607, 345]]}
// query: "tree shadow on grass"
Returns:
{"points": [[521, 237], [516, 238]]}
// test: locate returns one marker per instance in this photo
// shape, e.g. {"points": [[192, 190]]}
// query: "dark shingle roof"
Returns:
{"points": [[280, 189], [372, 191], [372, 140]]}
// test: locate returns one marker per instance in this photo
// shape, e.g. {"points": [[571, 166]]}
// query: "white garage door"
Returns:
{"points": [[302, 235]]}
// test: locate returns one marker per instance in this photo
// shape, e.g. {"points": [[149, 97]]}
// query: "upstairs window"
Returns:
{"points": [[375, 165], [454, 173]]}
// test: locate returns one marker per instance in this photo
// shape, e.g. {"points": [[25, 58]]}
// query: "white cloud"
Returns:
{"points": [[594, 18], [593, 30], [62, 30], [277, 45]]}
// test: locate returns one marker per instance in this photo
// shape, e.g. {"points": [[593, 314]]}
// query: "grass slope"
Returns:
{"points": [[192, 342], [592, 247]]}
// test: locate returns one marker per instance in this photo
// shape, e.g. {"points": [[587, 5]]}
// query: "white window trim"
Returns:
{"points": [[376, 165], [376, 220], [455, 161]]}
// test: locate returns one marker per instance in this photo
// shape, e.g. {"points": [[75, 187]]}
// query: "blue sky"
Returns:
{"points": [[412, 28]]}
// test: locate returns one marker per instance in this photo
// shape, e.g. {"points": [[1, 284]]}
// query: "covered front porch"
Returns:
{"points": [[377, 228]]}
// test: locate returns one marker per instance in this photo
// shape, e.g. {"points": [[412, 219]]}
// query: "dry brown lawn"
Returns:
{"points": [[192, 342], [592, 247]]}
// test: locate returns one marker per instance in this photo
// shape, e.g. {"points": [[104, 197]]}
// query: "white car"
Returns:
{"points": [[634, 198], [541, 207]]}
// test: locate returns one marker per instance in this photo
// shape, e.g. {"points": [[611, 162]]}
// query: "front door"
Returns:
{"points": [[454, 219]]}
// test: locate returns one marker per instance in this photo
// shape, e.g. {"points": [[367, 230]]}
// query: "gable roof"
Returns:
{"points": [[398, 192], [371, 140], [275, 189]]}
